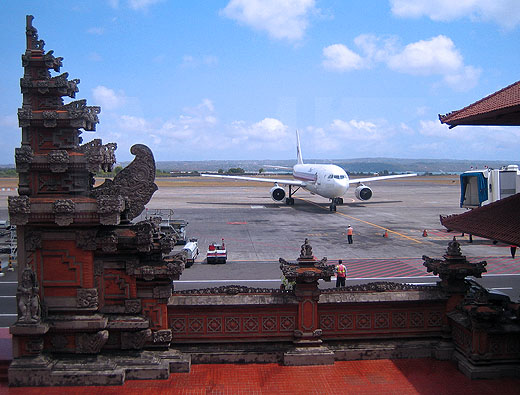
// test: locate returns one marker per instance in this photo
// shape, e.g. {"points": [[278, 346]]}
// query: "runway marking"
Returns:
{"points": [[237, 223], [257, 206], [8, 315], [366, 222]]}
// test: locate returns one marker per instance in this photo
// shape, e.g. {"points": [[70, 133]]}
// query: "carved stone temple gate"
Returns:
{"points": [[89, 279], [96, 304]]}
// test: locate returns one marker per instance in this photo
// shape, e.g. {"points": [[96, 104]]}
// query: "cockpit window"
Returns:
{"points": [[330, 176], [339, 176]]}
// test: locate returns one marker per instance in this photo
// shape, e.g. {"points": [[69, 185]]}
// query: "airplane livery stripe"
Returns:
{"points": [[304, 176]]}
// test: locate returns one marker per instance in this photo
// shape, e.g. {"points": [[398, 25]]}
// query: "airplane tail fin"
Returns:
{"points": [[298, 149]]}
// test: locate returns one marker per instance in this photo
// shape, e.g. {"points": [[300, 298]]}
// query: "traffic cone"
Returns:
{"points": [[386, 233], [10, 267], [424, 233]]}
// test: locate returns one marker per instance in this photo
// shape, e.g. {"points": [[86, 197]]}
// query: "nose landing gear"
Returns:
{"points": [[335, 202]]}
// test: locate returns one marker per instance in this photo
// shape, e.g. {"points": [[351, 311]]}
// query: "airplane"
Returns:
{"points": [[326, 180]]}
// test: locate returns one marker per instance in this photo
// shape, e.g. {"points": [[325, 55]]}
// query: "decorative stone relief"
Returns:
{"points": [[19, 209], [133, 306], [58, 161], [33, 240], [135, 183], [110, 209], [86, 240], [23, 157], [109, 242], [63, 212], [87, 343], [29, 309], [135, 340], [162, 336], [87, 298]]}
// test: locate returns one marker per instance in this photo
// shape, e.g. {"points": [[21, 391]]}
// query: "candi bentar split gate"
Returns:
{"points": [[96, 304]]}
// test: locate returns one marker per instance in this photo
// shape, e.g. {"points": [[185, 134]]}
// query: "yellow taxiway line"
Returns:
{"points": [[365, 222]]}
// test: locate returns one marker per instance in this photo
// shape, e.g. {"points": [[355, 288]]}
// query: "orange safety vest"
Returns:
{"points": [[350, 231], [342, 270]]}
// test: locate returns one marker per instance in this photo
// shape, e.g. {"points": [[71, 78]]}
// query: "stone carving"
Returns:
{"points": [[64, 211], [99, 156], [29, 309], [87, 298], [135, 340], [86, 240], [162, 292], [454, 268], [162, 336], [91, 343], [109, 242], [230, 290], [381, 286], [50, 119], [33, 240], [32, 35], [24, 117], [135, 183], [133, 306], [23, 157], [34, 346], [58, 161], [19, 209], [110, 209], [83, 116], [145, 234], [306, 250]]}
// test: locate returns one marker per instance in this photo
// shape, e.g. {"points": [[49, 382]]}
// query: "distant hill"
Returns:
{"points": [[359, 165]]}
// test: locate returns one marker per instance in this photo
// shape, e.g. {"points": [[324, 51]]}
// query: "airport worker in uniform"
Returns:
{"points": [[350, 233], [513, 251], [341, 274]]}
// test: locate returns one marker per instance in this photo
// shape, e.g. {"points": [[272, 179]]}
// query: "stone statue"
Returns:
{"points": [[306, 251], [28, 298]]}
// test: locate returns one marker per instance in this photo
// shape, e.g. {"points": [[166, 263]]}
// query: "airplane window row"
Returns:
{"points": [[339, 177]]}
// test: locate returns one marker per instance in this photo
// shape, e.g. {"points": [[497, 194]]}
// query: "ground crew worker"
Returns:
{"points": [[513, 251], [341, 274], [350, 232]]}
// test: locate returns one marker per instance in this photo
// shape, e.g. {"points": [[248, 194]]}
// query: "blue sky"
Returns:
{"points": [[233, 79]]}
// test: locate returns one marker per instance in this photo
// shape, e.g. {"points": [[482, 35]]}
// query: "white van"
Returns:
{"points": [[191, 251]]}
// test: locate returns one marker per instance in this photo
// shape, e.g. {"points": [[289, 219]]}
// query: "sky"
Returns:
{"points": [[234, 79]]}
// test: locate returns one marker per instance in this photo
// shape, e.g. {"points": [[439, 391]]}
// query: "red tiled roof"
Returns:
{"points": [[499, 108], [498, 221]]}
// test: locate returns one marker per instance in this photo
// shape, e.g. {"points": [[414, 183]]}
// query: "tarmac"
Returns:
{"points": [[258, 231]]}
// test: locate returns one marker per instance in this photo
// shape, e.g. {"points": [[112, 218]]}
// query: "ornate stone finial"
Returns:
{"points": [[453, 248], [32, 35], [306, 250], [29, 311]]}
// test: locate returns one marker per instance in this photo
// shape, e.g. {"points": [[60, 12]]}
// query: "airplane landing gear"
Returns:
{"points": [[334, 202], [290, 200]]}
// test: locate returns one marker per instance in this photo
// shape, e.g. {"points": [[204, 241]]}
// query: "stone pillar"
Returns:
{"points": [[306, 272]]}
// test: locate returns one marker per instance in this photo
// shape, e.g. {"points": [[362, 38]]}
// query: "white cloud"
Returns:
{"points": [[192, 61], [426, 57], [98, 31], [339, 57], [435, 56], [505, 13], [142, 4], [107, 98], [281, 19]]}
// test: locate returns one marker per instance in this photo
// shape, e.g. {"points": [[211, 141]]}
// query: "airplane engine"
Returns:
{"points": [[363, 192], [277, 193]]}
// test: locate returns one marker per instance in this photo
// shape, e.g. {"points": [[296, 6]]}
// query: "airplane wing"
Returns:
{"points": [[269, 180], [278, 167], [377, 178]]}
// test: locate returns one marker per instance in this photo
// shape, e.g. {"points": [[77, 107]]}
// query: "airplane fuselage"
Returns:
{"points": [[329, 181]]}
